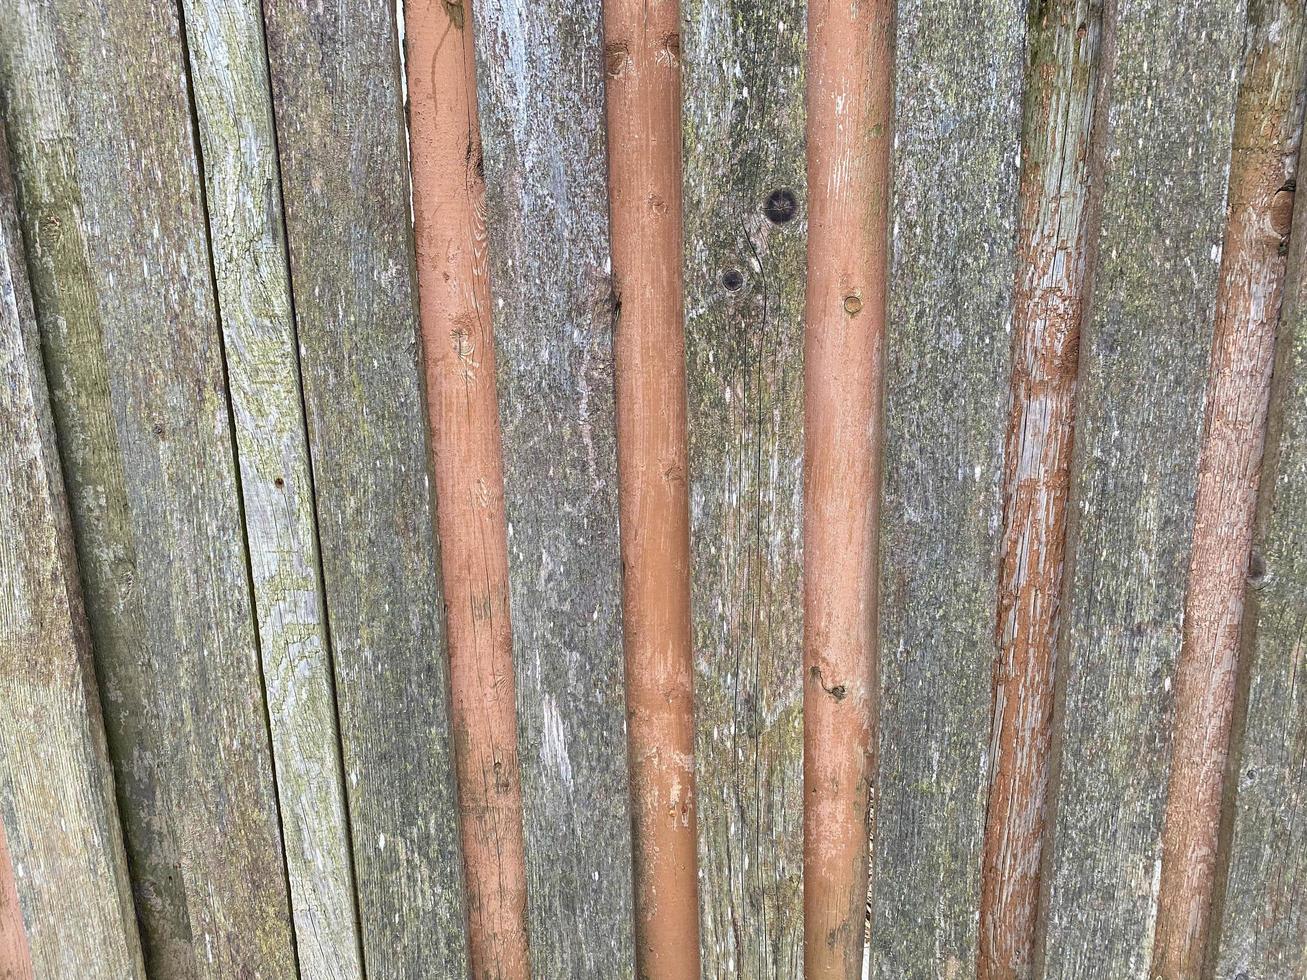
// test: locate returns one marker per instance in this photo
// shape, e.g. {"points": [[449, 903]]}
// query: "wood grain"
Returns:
{"points": [[459, 355], [340, 130], [1055, 228], [110, 198], [540, 77], [742, 132], [1259, 918], [958, 120], [1172, 70], [1264, 162], [233, 109], [59, 822]]}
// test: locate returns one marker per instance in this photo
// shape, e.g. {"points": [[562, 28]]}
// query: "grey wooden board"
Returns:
{"points": [[233, 109], [1262, 930], [340, 127], [56, 783], [958, 117], [743, 133], [1172, 68], [540, 80], [101, 130]]}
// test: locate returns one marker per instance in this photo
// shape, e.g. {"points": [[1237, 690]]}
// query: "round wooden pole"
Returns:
{"points": [[850, 108], [459, 353]]}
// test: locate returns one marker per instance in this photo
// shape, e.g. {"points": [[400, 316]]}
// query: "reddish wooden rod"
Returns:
{"points": [[850, 110], [459, 354], [15, 957], [643, 78], [1268, 120], [1053, 243]]}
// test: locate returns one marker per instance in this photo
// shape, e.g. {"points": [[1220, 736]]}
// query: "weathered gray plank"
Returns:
{"points": [[56, 784], [339, 113], [743, 124], [1260, 917], [540, 68], [101, 130], [958, 113], [233, 108], [1172, 72]]}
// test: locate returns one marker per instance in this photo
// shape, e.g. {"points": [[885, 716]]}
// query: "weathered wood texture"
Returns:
{"points": [[540, 77], [958, 119], [1263, 165], [1260, 918], [110, 199], [56, 784], [449, 203], [1171, 71], [233, 108], [340, 129], [1053, 235], [15, 953], [742, 131]]}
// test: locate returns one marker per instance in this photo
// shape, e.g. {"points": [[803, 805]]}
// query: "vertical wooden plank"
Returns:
{"points": [[540, 76], [340, 130], [1172, 72], [15, 954], [1263, 168], [745, 236], [1059, 155], [101, 126], [458, 347], [1260, 918], [233, 108], [56, 785], [958, 102]]}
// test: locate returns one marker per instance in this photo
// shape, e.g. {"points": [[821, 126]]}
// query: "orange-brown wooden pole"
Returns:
{"points": [[15, 958], [459, 351], [643, 77], [1268, 121], [850, 115]]}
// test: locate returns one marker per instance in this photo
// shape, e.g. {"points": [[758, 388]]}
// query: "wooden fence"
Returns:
{"points": [[613, 488]]}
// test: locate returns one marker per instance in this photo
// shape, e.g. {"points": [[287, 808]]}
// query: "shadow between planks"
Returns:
{"points": [[237, 495]]}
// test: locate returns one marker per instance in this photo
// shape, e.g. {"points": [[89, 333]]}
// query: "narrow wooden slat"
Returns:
{"points": [[540, 77], [233, 108], [1260, 918], [459, 353], [1171, 69], [56, 784], [958, 121], [340, 137], [110, 194], [743, 121], [1263, 166], [15, 953], [850, 101], [1058, 155]]}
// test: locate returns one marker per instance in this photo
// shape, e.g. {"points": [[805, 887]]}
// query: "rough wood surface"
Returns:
{"points": [[850, 103], [742, 131], [110, 199], [642, 62], [540, 77], [56, 785], [233, 109], [340, 130], [958, 119], [15, 954], [1260, 918], [1053, 235], [1171, 69], [449, 203], [1263, 165]]}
